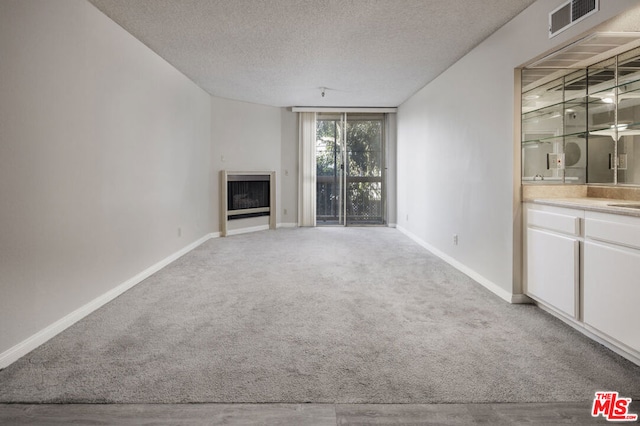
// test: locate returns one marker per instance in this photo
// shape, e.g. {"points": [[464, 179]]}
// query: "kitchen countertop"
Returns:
{"points": [[602, 205]]}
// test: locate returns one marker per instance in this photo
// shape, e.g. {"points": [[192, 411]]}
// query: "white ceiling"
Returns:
{"points": [[281, 52]]}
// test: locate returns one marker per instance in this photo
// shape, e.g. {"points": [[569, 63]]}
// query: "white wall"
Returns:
{"points": [[104, 153], [456, 148], [245, 137]]}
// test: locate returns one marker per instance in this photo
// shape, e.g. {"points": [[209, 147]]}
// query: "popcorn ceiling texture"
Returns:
{"points": [[280, 52]]}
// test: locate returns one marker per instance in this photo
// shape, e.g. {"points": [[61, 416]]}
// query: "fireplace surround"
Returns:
{"points": [[247, 195]]}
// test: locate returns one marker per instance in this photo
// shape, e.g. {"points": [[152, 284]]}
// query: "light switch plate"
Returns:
{"points": [[622, 162], [555, 161]]}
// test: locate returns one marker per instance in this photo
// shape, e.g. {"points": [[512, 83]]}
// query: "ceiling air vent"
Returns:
{"points": [[569, 13]]}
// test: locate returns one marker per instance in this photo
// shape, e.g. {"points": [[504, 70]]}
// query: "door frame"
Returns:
{"points": [[343, 119]]}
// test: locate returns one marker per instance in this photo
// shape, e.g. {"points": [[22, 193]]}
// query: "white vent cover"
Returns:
{"points": [[569, 13], [588, 50]]}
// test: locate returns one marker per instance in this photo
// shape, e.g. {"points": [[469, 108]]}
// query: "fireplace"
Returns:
{"points": [[247, 195]]}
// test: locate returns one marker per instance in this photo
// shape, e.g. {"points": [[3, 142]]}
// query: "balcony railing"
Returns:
{"points": [[364, 199]]}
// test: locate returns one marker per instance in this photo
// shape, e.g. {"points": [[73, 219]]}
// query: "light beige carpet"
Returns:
{"points": [[355, 315]]}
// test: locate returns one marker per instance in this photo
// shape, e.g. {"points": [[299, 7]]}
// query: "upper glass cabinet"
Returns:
{"points": [[581, 126], [554, 130]]}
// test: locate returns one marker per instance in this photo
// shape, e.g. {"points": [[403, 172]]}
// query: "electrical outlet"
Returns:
{"points": [[622, 162], [179, 232], [555, 161], [455, 239], [285, 212]]}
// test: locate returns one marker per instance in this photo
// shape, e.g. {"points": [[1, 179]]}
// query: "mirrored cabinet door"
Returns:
{"points": [[553, 130], [628, 150], [583, 126]]}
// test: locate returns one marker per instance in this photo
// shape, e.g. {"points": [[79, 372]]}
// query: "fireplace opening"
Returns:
{"points": [[248, 196]]}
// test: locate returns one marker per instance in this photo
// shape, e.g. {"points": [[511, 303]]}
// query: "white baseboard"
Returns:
{"points": [[488, 284], [392, 225], [247, 230], [521, 299], [14, 353], [619, 348], [594, 334], [287, 225]]}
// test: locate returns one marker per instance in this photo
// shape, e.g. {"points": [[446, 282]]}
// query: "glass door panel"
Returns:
{"points": [[330, 170], [365, 170], [350, 171]]}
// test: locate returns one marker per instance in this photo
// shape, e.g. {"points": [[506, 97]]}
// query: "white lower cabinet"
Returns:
{"points": [[552, 261], [552, 269], [585, 266], [611, 270]]}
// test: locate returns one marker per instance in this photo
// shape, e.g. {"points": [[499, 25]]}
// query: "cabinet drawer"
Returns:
{"points": [[616, 232], [554, 221]]}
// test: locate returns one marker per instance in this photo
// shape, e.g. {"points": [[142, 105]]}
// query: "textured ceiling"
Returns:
{"points": [[281, 52]]}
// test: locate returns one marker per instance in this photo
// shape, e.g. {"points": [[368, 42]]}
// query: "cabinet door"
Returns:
{"points": [[552, 269], [612, 292]]}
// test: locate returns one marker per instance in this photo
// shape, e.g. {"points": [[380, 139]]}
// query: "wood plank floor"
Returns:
{"points": [[301, 414]]}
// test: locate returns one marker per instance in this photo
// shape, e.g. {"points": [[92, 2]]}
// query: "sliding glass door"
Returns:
{"points": [[330, 161], [365, 167], [350, 169]]}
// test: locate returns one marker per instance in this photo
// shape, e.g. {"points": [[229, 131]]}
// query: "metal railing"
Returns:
{"points": [[364, 199]]}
